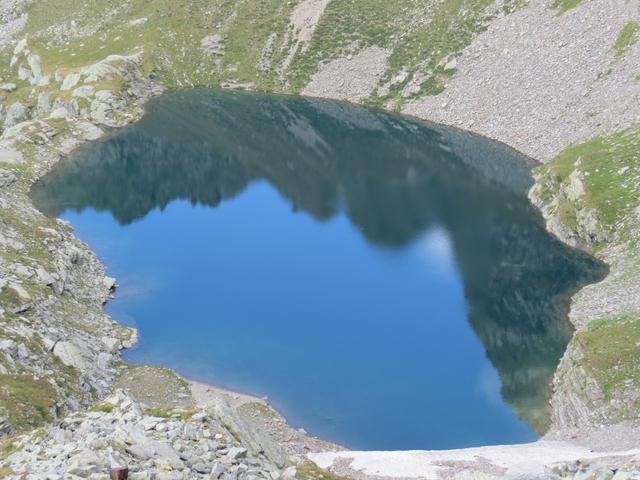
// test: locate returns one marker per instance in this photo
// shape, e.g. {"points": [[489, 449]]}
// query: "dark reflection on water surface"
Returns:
{"points": [[340, 261]]}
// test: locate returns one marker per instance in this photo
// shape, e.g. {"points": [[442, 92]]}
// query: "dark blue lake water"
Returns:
{"points": [[384, 282]]}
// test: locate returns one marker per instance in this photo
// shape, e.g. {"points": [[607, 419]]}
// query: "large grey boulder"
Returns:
{"points": [[16, 113], [69, 354], [256, 441]]}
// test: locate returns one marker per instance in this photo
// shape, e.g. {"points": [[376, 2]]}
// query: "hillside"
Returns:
{"points": [[558, 80]]}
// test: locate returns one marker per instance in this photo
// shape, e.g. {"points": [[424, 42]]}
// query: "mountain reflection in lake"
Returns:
{"points": [[332, 258]]}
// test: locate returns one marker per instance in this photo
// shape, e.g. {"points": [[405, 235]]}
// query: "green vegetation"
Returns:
{"points": [[310, 471], [610, 168], [182, 414], [250, 39], [6, 472], [28, 401], [611, 352], [565, 5], [102, 407], [169, 34], [627, 37], [158, 412], [421, 36]]}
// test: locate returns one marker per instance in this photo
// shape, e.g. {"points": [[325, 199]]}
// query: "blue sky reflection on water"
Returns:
{"points": [[343, 262]]}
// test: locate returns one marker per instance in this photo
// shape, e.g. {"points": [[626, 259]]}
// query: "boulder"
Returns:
{"points": [[6, 179], [20, 291], [69, 354], [100, 111], [44, 102], [16, 113], [290, 473], [83, 91], [109, 283], [44, 277], [217, 469], [58, 113], [70, 81], [20, 47], [8, 87], [237, 452]]}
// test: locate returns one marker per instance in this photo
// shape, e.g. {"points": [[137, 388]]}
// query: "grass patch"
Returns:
{"points": [[158, 412], [309, 470], [10, 298], [565, 5], [612, 352], [627, 37], [182, 414], [168, 32], [103, 407], [610, 169], [8, 448], [28, 401], [6, 472]]}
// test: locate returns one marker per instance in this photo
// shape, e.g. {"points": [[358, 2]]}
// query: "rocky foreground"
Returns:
{"points": [[116, 434]]}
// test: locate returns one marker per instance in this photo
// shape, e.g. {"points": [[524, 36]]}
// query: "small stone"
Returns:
{"points": [[112, 344], [217, 469], [199, 417], [109, 283], [200, 467], [237, 452], [20, 291]]}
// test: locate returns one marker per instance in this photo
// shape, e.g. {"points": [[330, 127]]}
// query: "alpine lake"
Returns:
{"points": [[384, 281]]}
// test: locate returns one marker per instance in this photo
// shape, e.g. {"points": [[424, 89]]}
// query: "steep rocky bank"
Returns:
{"points": [[539, 76]]}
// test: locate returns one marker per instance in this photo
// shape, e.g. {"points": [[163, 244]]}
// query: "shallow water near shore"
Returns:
{"points": [[384, 282]]}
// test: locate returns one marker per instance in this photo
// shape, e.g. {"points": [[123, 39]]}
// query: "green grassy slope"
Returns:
{"points": [[609, 170], [422, 37]]}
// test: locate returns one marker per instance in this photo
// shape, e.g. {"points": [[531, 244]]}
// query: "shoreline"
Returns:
{"points": [[206, 393]]}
